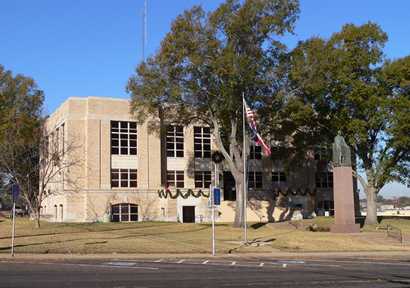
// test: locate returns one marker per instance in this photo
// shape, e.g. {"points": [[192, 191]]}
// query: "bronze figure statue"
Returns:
{"points": [[341, 152]]}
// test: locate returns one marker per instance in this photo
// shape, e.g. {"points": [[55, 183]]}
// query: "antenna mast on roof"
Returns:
{"points": [[144, 29]]}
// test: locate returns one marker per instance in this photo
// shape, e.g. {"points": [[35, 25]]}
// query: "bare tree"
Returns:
{"points": [[41, 168]]}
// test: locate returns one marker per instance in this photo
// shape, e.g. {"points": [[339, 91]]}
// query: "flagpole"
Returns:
{"points": [[244, 156]]}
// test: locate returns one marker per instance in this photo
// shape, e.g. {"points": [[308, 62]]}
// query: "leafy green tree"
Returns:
{"points": [[20, 125], [207, 62], [344, 83]]}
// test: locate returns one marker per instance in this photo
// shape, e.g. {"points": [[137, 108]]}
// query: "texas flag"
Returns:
{"points": [[255, 136]]}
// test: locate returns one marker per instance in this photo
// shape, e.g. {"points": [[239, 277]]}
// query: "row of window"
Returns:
{"points": [[203, 179], [127, 178], [124, 140]]}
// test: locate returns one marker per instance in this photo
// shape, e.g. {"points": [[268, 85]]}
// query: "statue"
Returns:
{"points": [[341, 152], [343, 188]]}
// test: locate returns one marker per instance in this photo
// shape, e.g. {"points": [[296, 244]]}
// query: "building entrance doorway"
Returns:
{"points": [[188, 214]]}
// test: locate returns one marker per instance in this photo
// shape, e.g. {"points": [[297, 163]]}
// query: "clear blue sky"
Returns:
{"points": [[91, 47]]}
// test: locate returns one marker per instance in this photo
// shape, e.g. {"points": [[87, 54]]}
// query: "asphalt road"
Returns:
{"points": [[203, 273]]}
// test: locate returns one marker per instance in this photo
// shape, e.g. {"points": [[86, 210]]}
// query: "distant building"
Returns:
{"points": [[132, 172]]}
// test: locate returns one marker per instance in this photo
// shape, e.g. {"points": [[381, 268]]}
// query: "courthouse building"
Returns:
{"points": [[129, 171]]}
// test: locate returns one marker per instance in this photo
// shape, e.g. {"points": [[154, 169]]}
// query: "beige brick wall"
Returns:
{"points": [[87, 124]]}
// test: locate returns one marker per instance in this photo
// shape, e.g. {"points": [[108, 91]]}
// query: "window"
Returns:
{"points": [[175, 141], [202, 179], [202, 142], [62, 139], [124, 178], [124, 212], [323, 152], [123, 138], [57, 141], [255, 180], [324, 180], [61, 213], [255, 152], [175, 179], [278, 177]]}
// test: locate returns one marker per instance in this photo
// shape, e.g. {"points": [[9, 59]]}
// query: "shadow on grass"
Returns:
{"points": [[258, 225], [102, 240], [85, 230], [160, 233]]}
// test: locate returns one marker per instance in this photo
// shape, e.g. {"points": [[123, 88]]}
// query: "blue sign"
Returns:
{"points": [[15, 192], [217, 196]]}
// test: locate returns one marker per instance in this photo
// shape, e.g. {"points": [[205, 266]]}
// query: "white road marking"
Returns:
{"points": [[362, 262], [127, 267], [322, 265], [181, 261], [158, 261], [233, 263], [206, 261], [261, 264], [121, 263], [104, 265]]}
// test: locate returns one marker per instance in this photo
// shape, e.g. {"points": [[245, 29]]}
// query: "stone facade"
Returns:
{"points": [[88, 123]]}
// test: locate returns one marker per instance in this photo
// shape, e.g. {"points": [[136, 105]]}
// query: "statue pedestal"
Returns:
{"points": [[343, 201]]}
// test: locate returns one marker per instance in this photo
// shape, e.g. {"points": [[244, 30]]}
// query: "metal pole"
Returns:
{"points": [[213, 219], [144, 29], [245, 200], [13, 230]]}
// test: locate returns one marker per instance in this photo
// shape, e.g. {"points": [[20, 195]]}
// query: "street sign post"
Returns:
{"points": [[211, 192], [217, 196], [15, 192]]}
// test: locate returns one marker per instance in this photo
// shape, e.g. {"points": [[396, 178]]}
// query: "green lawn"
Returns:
{"points": [[163, 237]]}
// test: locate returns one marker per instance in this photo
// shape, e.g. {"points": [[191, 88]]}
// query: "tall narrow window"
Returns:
{"points": [[61, 213], [324, 180], [124, 178], [175, 141], [175, 179], [202, 179], [255, 152], [57, 144], [123, 138], [202, 142], [278, 177], [62, 128], [255, 180]]}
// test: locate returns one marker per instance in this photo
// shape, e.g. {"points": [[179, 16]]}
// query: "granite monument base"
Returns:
{"points": [[344, 201], [345, 228]]}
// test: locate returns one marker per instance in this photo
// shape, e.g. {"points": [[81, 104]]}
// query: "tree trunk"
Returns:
{"points": [[37, 219], [371, 216], [234, 159]]}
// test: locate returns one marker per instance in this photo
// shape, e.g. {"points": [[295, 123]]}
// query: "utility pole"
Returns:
{"points": [[144, 28]]}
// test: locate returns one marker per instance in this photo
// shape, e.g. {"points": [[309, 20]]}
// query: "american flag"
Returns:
{"points": [[255, 136]]}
